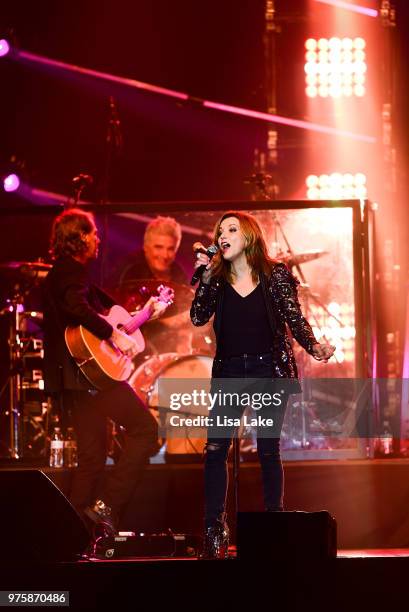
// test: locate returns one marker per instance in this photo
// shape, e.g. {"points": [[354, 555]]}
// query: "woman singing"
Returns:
{"points": [[253, 298]]}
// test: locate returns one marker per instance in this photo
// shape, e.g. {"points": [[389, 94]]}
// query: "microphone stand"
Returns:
{"points": [[114, 146], [78, 185]]}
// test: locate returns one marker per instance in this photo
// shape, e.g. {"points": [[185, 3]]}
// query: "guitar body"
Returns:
{"points": [[99, 360]]}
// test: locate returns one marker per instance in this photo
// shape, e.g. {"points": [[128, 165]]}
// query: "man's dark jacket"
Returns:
{"points": [[70, 299]]}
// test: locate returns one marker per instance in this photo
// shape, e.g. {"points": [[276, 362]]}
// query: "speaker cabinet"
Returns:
{"points": [[289, 536], [37, 521]]}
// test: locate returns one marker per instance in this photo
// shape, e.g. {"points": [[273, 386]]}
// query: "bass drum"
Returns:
{"points": [[145, 379]]}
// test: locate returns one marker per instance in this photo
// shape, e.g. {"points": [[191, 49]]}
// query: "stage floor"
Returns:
{"points": [[364, 580], [368, 498]]}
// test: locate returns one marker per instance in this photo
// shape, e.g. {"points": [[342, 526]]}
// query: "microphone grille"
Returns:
{"points": [[212, 250]]}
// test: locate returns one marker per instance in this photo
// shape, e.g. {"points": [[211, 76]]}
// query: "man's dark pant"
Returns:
{"points": [[89, 416]]}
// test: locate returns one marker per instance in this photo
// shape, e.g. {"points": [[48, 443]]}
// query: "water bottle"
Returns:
{"points": [[387, 439], [57, 449], [70, 449]]}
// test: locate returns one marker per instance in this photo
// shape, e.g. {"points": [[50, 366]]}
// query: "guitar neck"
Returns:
{"points": [[137, 321]]}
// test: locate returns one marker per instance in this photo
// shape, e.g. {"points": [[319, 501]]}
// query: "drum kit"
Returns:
{"points": [[27, 408], [174, 349]]}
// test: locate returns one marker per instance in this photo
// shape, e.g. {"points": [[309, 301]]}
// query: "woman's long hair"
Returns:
{"points": [[255, 250], [67, 233]]}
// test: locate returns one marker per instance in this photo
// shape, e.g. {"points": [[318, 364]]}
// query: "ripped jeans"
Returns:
{"points": [[219, 438]]}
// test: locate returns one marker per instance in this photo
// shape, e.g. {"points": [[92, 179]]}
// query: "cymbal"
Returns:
{"points": [[134, 293], [24, 274], [29, 268], [299, 258]]}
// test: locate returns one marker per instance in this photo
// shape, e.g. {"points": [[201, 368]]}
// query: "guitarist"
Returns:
{"points": [[72, 299]]}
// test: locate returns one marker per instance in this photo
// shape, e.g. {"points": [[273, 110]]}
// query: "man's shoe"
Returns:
{"points": [[102, 517]]}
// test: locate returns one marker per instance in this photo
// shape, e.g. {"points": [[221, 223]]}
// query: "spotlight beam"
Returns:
{"points": [[269, 118], [51, 63], [298, 123], [362, 10]]}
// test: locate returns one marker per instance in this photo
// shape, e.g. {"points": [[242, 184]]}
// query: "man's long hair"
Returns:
{"points": [[67, 233], [255, 250]]}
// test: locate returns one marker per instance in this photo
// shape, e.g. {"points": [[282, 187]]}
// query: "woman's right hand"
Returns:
{"points": [[203, 260]]}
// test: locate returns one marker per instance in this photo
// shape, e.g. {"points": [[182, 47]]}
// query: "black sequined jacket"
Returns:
{"points": [[283, 308]]}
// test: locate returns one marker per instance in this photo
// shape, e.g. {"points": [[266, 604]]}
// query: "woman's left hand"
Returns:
{"points": [[323, 352]]}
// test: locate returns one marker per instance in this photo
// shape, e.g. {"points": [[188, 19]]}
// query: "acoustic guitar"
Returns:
{"points": [[101, 361]]}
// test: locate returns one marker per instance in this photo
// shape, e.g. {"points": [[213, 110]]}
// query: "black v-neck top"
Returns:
{"points": [[244, 327]]}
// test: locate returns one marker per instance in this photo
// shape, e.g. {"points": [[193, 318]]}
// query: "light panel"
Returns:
{"points": [[335, 67], [336, 186]]}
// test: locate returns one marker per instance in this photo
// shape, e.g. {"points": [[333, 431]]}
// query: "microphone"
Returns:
{"points": [[80, 181], [210, 252]]}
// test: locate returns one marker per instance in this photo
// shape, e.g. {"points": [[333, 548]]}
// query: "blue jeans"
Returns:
{"points": [[268, 439]]}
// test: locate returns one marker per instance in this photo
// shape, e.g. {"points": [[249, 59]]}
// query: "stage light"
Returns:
{"points": [[313, 193], [360, 67], [335, 91], [11, 182], [335, 43], [348, 193], [13, 174], [311, 56], [336, 186], [359, 91], [323, 91], [358, 55], [4, 47], [360, 178], [323, 44], [337, 63], [336, 324], [311, 44], [347, 44], [361, 192], [359, 43], [311, 180], [359, 79], [348, 57], [311, 91]]}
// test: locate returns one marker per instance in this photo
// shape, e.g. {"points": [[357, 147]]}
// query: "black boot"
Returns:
{"points": [[216, 541], [103, 520]]}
